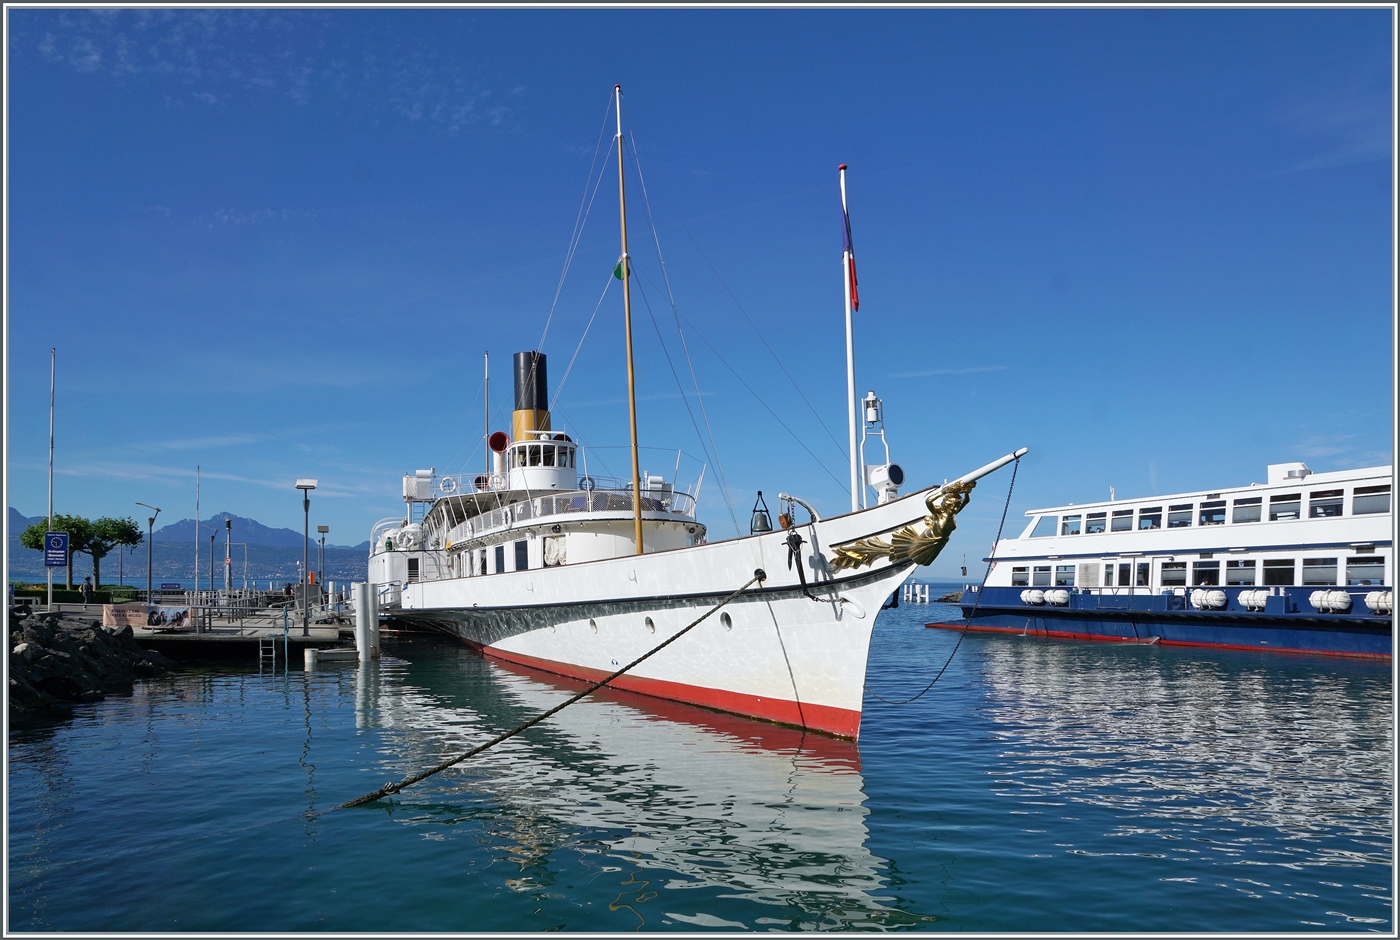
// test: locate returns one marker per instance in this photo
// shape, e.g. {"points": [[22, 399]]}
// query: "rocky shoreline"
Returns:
{"points": [[56, 663]]}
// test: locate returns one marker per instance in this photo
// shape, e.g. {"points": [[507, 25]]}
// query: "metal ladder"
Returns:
{"points": [[267, 650]]}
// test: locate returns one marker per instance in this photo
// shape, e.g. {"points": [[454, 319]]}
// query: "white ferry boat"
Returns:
{"points": [[577, 575], [1301, 563]]}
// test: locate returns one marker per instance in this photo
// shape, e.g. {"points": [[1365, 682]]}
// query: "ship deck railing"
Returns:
{"points": [[666, 503]]}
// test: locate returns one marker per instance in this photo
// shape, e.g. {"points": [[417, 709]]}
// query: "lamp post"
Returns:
{"points": [[150, 524], [321, 558], [306, 486], [228, 554]]}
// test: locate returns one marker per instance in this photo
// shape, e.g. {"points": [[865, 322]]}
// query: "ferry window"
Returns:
{"points": [[1179, 517], [1173, 573], [1041, 576], [500, 559], [1020, 577], [1213, 513], [1240, 572], [1096, 522], [1324, 504], [1366, 570], [534, 455], [1205, 573], [1150, 518], [1125, 575], [412, 570], [1064, 576], [1369, 499], [1247, 510], [1070, 525], [1278, 571], [522, 555], [1108, 576], [1144, 574], [1089, 575], [1319, 571], [1044, 526], [549, 455], [1122, 520], [1285, 506]]}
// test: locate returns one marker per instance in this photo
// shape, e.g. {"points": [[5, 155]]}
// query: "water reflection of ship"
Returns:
{"points": [[1302, 747], [773, 814]]}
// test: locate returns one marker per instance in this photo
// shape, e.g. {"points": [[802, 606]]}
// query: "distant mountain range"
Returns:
{"points": [[244, 530], [273, 554]]}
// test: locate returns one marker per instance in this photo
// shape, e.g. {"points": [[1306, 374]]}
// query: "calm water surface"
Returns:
{"points": [[1038, 786]]}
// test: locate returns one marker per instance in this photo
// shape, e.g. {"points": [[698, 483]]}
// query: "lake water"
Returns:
{"points": [[1038, 786]]}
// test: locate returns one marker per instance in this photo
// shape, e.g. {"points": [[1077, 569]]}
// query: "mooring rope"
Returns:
{"points": [[967, 618], [388, 788]]}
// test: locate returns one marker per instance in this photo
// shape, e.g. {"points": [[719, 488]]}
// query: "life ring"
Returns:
{"points": [[448, 485]]}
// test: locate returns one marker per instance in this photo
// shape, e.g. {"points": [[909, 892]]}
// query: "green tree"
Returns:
{"points": [[106, 534], [79, 534]]}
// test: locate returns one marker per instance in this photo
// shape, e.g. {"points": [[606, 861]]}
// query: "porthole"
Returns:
{"points": [[725, 622], [593, 625], [651, 626]]}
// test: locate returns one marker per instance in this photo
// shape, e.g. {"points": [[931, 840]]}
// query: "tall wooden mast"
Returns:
{"points": [[624, 266]]}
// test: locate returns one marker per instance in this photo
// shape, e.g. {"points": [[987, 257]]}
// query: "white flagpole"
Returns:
{"points": [[850, 361], [53, 365]]}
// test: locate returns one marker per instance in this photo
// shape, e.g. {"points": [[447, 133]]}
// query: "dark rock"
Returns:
{"points": [[952, 597]]}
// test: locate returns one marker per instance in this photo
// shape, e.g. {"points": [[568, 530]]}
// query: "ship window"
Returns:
{"points": [[1205, 573], [1064, 576], [1319, 571], [1247, 510], [534, 455], [1325, 504], [1366, 570], [1278, 571], [500, 559], [1369, 499], [522, 555], [1173, 573], [1285, 506], [549, 455], [1125, 575], [1089, 575], [1070, 525], [1179, 517], [1213, 513], [1150, 518], [1240, 572], [1095, 522], [1122, 520], [1044, 526], [1108, 576], [412, 570], [1144, 574], [1021, 577], [1041, 576]]}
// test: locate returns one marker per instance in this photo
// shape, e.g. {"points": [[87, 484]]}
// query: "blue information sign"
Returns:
{"points": [[55, 549]]}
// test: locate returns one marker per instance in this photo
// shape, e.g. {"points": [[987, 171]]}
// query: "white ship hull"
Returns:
{"points": [[774, 653]]}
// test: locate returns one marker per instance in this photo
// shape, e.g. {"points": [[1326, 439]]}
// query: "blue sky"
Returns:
{"points": [[1154, 246]]}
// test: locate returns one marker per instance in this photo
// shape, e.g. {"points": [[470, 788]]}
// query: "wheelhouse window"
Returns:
{"points": [[1324, 504], [1367, 570], [1150, 518], [1240, 573], [1064, 576], [1044, 526], [1368, 499], [1041, 576], [534, 455], [1173, 574], [1285, 506], [1205, 573], [1278, 571], [1122, 520], [548, 455], [1213, 512], [1247, 510], [1070, 525], [1021, 577], [1319, 571], [1095, 522], [1179, 517]]}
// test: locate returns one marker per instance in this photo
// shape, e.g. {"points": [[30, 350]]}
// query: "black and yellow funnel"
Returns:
{"points": [[531, 396]]}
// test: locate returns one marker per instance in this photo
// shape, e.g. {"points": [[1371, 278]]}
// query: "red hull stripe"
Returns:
{"points": [[1071, 635], [841, 722]]}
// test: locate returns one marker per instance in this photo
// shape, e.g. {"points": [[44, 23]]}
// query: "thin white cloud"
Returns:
{"points": [[969, 370]]}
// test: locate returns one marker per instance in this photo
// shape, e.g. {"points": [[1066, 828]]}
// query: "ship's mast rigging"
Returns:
{"points": [[627, 318]]}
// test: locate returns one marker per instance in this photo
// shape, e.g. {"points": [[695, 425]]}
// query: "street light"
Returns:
{"points": [[150, 524], [321, 559], [306, 486]]}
